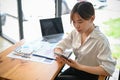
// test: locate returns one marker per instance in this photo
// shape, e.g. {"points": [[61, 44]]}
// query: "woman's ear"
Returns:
{"points": [[92, 18]]}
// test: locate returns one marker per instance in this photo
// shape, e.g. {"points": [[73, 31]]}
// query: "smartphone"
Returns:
{"points": [[61, 55]]}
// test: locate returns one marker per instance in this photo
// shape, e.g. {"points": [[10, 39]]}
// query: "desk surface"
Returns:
{"points": [[17, 69]]}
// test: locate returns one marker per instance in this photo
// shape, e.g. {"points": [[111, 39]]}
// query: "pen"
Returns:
{"points": [[43, 57]]}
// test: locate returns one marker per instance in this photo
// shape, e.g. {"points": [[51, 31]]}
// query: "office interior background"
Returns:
{"points": [[19, 19]]}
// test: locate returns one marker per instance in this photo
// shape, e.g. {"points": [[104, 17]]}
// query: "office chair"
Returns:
{"points": [[119, 75], [108, 77], [103, 77]]}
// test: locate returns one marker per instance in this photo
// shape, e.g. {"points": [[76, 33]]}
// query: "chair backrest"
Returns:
{"points": [[103, 77], [119, 75]]}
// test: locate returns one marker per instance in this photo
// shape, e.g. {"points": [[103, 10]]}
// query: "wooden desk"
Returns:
{"points": [[17, 69]]}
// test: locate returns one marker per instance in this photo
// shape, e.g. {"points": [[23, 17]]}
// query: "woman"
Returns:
{"points": [[90, 46]]}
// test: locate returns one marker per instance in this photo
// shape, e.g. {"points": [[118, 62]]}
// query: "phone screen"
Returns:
{"points": [[61, 55]]}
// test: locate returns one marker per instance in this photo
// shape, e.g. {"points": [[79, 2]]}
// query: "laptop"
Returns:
{"points": [[52, 29]]}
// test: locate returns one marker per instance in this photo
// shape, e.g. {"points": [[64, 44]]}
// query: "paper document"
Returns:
{"points": [[38, 51], [35, 51]]}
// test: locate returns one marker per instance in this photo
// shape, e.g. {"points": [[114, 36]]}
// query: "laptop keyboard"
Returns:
{"points": [[53, 38]]}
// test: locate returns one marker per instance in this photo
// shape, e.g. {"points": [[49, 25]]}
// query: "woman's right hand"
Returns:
{"points": [[58, 50]]}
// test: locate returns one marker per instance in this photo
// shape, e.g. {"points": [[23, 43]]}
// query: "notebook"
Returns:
{"points": [[52, 29]]}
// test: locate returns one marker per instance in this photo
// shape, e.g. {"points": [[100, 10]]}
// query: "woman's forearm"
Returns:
{"points": [[98, 70]]}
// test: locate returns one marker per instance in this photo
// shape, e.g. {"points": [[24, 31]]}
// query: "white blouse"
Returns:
{"points": [[94, 51]]}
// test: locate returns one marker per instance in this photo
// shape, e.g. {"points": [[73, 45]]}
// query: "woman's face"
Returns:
{"points": [[81, 24]]}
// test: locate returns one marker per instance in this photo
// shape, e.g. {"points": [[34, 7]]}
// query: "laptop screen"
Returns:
{"points": [[51, 26]]}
